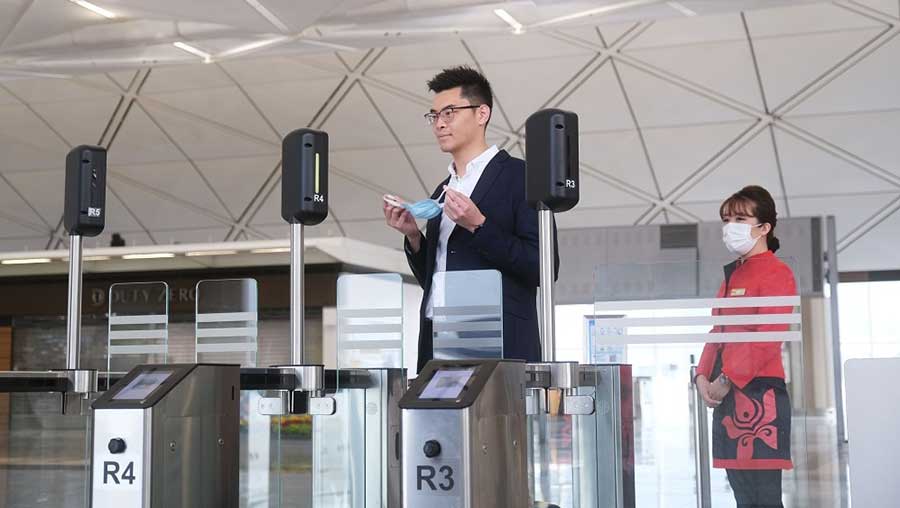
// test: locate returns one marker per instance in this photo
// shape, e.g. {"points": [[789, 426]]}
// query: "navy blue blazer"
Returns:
{"points": [[507, 242]]}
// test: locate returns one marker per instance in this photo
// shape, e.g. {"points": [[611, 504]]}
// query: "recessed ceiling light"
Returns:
{"points": [[678, 6], [93, 8], [271, 250], [149, 255], [510, 20], [207, 58], [198, 253], [25, 261]]}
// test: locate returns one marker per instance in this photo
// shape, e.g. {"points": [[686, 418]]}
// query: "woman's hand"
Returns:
{"points": [[719, 388], [704, 387]]}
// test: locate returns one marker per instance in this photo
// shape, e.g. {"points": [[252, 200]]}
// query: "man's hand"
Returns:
{"points": [[403, 221], [462, 210], [703, 386]]}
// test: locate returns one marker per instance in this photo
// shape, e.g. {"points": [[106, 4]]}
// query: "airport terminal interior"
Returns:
{"points": [[241, 268]]}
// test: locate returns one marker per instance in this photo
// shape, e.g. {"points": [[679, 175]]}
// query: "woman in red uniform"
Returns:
{"points": [[744, 381]]}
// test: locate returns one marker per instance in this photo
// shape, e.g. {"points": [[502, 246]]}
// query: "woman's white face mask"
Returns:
{"points": [[738, 237]]}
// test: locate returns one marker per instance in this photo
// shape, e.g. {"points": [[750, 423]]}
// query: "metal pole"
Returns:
{"points": [[73, 311], [548, 311], [297, 309], [833, 280], [701, 440]]}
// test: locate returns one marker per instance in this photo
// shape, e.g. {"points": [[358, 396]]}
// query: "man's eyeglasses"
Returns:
{"points": [[446, 114]]}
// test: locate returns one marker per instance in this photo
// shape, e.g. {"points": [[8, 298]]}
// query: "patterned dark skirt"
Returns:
{"points": [[752, 427]]}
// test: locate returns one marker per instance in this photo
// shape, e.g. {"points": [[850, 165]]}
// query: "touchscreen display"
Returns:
{"points": [[143, 385], [447, 384]]}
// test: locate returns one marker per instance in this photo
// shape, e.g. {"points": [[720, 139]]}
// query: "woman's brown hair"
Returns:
{"points": [[754, 201]]}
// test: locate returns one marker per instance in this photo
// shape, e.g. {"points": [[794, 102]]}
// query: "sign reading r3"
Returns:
{"points": [[431, 478], [112, 475]]}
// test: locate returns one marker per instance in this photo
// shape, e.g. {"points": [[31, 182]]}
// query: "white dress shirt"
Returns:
{"points": [[464, 185]]}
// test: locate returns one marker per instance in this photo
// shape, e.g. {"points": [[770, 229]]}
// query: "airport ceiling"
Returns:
{"points": [[680, 104]]}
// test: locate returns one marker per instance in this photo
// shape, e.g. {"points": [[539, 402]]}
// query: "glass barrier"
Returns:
{"points": [[138, 325], [737, 320], [226, 332], [370, 321], [44, 455], [468, 314]]}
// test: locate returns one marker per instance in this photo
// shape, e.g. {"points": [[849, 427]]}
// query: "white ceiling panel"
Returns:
{"points": [[889, 7], [21, 155], [877, 74], [32, 144], [57, 90], [139, 141], [612, 216], [619, 155], [269, 213], [43, 190], [407, 118], [185, 77], [678, 153], [205, 140], [158, 213], [850, 210], [46, 19], [809, 18], [291, 105], [238, 180], [725, 67], [439, 54], [527, 46], [867, 252], [236, 13], [659, 103], [754, 164], [612, 33], [118, 218], [694, 30], [227, 106], [600, 103], [810, 171], [355, 124], [383, 168], [6, 99], [871, 136], [177, 179], [351, 201], [80, 122], [507, 78], [202, 108], [596, 192], [279, 69], [22, 243], [787, 65]]}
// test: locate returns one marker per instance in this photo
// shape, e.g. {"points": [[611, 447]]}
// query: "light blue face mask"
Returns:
{"points": [[425, 209]]}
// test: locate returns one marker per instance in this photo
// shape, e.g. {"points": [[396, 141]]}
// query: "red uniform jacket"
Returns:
{"points": [[760, 275], [752, 427]]}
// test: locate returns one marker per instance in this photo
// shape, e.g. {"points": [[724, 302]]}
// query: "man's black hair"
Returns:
{"points": [[475, 87]]}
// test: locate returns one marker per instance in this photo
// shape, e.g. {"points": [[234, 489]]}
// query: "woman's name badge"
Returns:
{"points": [[738, 292]]}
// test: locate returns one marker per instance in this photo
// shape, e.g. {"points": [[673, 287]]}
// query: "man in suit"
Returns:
{"points": [[486, 223]]}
